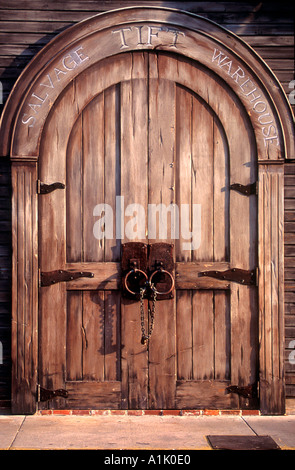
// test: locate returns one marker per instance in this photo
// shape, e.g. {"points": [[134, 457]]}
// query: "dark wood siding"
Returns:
{"points": [[27, 25]]}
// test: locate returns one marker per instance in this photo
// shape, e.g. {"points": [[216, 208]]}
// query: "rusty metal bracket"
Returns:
{"points": [[43, 394], [43, 188], [248, 391], [134, 268], [241, 276], [52, 277], [161, 269], [246, 190]]}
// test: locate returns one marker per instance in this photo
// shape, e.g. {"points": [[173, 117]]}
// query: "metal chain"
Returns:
{"points": [[151, 312]]}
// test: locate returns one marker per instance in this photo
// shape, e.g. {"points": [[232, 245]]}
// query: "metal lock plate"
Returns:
{"points": [[133, 265]]}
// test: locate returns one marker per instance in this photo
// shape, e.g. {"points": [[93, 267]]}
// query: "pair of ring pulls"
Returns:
{"points": [[148, 267], [147, 271]]}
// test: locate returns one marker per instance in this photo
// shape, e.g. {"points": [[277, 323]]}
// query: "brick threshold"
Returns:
{"points": [[150, 412]]}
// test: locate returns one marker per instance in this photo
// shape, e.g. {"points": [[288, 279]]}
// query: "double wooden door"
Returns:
{"points": [[132, 132]]}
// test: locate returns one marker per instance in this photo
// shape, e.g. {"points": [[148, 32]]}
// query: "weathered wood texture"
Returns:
{"points": [[24, 301], [168, 142], [271, 288], [266, 26], [290, 279], [5, 281]]}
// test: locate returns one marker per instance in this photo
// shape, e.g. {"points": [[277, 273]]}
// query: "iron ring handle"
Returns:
{"points": [[165, 272], [126, 278]]}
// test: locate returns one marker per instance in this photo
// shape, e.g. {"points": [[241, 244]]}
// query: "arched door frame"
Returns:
{"points": [[23, 119]]}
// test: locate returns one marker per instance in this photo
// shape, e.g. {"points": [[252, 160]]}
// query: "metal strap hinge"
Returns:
{"points": [[248, 391], [52, 277], [246, 190], [241, 276], [43, 394], [43, 188]]}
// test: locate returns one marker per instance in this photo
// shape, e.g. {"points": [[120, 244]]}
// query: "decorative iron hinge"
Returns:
{"points": [[241, 276], [52, 277], [248, 391], [247, 190], [43, 188], [43, 394]]}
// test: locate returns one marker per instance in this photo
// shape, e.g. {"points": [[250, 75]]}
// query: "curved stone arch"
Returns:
{"points": [[28, 108], [147, 28]]}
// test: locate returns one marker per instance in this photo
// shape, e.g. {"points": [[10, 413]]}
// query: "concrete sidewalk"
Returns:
{"points": [[137, 432]]}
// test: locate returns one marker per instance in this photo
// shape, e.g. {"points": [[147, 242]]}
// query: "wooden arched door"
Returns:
{"points": [[157, 129]]}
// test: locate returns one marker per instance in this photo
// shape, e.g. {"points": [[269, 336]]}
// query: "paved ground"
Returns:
{"points": [[137, 432]]}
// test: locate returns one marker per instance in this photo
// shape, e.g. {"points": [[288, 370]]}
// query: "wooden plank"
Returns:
{"points": [[289, 192], [289, 179], [93, 336], [289, 204], [37, 15], [271, 285], [289, 226], [243, 246], [203, 176], [275, 41], [93, 176], [203, 168], [112, 337], [93, 395], [222, 328], [106, 276], [24, 345], [34, 27], [203, 335], [52, 250], [112, 246], [289, 168], [227, 18], [200, 394], [162, 347], [268, 52], [184, 335], [183, 169], [289, 239], [221, 193], [74, 193], [183, 187], [290, 273], [289, 308], [74, 339], [245, 7], [289, 216], [28, 38], [134, 125]]}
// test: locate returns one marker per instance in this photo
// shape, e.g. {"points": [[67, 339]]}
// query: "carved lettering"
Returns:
{"points": [[69, 63], [121, 31], [39, 98], [153, 31], [237, 74], [249, 90], [30, 121], [50, 82], [147, 36], [66, 65], [139, 40]]}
